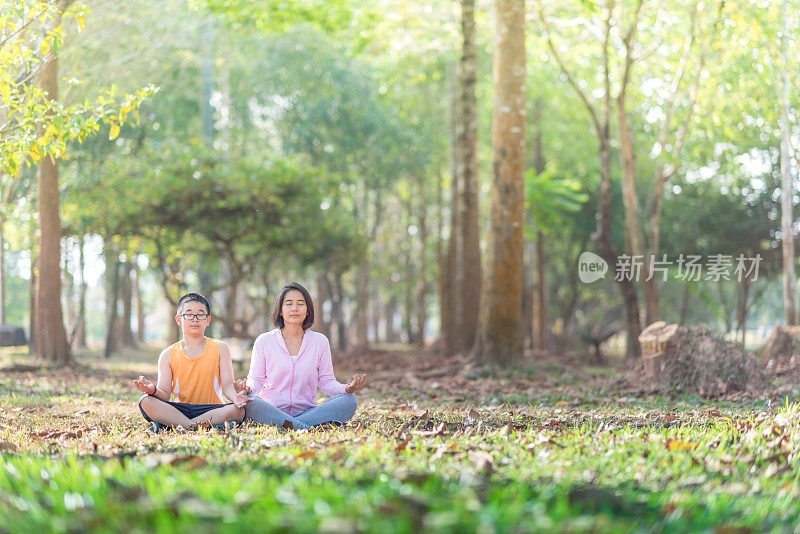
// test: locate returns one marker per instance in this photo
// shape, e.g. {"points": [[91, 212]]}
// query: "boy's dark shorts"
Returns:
{"points": [[189, 410]]}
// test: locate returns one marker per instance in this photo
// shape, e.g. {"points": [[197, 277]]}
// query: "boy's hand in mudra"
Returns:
{"points": [[144, 385], [355, 384], [241, 400]]}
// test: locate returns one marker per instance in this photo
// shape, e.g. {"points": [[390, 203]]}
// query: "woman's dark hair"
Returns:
{"points": [[193, 297], [277, 318]]}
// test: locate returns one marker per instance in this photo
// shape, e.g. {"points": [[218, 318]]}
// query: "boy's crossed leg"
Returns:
{"points": [[188, 415]]}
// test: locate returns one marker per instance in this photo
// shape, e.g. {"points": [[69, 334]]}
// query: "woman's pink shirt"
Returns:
{"points": [[292, 387]]}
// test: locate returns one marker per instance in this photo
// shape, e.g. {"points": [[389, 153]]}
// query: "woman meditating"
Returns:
{"points": [[289, 364]]}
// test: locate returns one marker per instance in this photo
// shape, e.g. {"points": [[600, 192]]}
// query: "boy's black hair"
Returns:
{"points": [[193, 297], [277, 318]]}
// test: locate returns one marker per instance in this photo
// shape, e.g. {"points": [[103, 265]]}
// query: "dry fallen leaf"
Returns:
{"points": [[192, 461], [443, 449], [338, 454], [483, 461], [505, 430], [435, 432], [305, 455], [543, 439], [402, 445], [780, 420], [471, 418], [7, 446], [678, 445], [776, 469]]}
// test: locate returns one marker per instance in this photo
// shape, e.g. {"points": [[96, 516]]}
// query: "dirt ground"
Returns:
{"points": [[397, 374]]}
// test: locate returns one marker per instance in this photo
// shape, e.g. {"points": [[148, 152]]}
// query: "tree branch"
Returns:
{"points": [[592, 111], [30, 21]]}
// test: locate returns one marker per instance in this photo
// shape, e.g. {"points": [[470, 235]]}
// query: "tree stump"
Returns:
{"points": [[653, 341], [696, 360], [784, 341]]}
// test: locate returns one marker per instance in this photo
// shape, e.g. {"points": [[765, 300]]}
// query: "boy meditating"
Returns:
{"points": [[198, 371]]}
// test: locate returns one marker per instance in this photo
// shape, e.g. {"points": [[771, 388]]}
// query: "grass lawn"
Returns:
{"points": [[552, 446]]}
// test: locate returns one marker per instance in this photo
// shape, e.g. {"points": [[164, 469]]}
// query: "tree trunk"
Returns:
{"points": [[539, 304], [51, 340], [390, 310], [500, 340], [569, 303], [321, 323], [684, 314], [743, 307], [2, 271], [363, 301], [78, 337], [603, 234], [454, 279], [633, 229], [408, 316], [470, 260], [443, 253], [69, 291], [726, 308], [33, 323], [664, 171], [337, 311], [231, 317], [174, 333], [127, 305], [540, 301], [112, 296], [634, 235], [602, 124], [422, 284], [789, 301], [528, 286], [140, 314], [633, 224]]}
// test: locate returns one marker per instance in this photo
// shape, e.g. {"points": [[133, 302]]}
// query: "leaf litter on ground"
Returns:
{"points": [[487, 448]]}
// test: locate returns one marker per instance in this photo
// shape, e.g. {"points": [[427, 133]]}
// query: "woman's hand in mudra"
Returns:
{"points": [[355, 384], [241, 385]]}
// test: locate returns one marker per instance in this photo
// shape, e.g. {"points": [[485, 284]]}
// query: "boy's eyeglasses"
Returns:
{"points": [[193, 316]]}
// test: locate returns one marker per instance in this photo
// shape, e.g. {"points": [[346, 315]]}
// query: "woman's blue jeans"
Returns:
{"points": [[337, 409]]}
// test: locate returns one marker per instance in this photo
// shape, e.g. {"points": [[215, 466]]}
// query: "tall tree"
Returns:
{"points": [[51, 334], [787, 222], [463, 277], [469, 262], [601, 113], [500, 335], [35, 129]]}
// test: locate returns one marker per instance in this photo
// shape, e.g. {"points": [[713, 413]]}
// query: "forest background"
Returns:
{"points": [[358, 147]]}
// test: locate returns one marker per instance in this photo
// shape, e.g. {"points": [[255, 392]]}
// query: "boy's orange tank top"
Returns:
{"points": [[196, 380]]}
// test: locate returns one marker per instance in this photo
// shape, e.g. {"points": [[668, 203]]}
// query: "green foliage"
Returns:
{"points": [[244, 211], [705, 218], [277, 16], [550, 197], [35, 125]]}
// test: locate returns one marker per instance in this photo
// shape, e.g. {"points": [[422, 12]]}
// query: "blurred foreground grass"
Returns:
{"points": [[75, 456]]}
